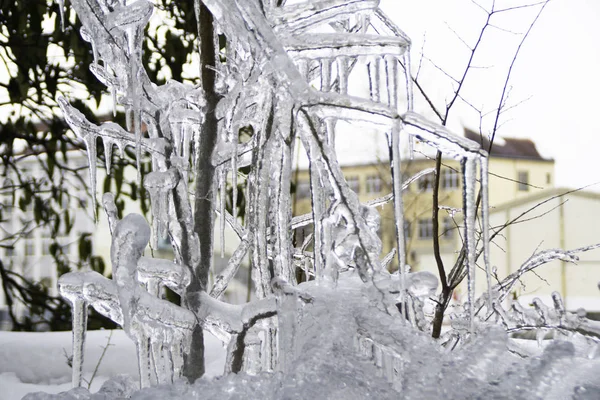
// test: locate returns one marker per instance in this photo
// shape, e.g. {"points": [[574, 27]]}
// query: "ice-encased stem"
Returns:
{"points": [[143, 353], [318, 207], [342, 69], [391, 74], [469, 167], [485, 225], [222, 195], [90, 144], [233, 265], [61, 11], [79, 312], [374, 78], [398, 203], [234, 172]]}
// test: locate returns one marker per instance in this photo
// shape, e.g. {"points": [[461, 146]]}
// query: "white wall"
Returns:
{"points": [[567, 222]]}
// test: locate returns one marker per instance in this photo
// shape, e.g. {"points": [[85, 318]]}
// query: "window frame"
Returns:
{"points": [[374, 184], [523, 181], [450, 179], [425, 229]]}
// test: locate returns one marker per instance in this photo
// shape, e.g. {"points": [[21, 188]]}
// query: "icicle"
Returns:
{"points": [[176, 353], [90, 144], [485, 226], [409, 98], [222, 197], [113, 94], [409, 81], [159, 185], [159, 364], [61, 10], [391, 74], [540, 334], [70, 289], [398, 207], [363, 22], [326, 75], [374, 78], [177, 134], [107, 153], [318, 203], [187, 138], [234, 173], [138, 138], [280, 186], [144, 367], [469, 182], [342, 69], [79, 310]]}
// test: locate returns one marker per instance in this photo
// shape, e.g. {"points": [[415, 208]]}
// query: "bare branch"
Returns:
{"points": [[510, 68]]}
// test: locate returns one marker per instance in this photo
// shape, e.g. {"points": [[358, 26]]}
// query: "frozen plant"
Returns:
{"points": [[284, 76]]}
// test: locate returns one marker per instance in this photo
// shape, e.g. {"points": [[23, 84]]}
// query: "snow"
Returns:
{"points": [[342, 345], [37, 362]]}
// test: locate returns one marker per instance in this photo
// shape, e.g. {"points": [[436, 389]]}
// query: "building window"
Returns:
{"points": [[523, 181], [46, 248], [10, 251], [450, 179], [548, 178], [407, 230], [29, 248], [373, 184], [303, 190], [448, 228], [426, 182], [425, 228], [354, 184]]}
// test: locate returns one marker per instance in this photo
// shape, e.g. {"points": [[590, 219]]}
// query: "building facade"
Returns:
{"points": [[556, 218]]}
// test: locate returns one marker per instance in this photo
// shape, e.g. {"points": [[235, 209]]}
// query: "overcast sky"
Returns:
{"points": [[555, 83], [556, 78]]}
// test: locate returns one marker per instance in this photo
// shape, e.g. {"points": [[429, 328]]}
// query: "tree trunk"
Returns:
{"points": [[205, 194]]}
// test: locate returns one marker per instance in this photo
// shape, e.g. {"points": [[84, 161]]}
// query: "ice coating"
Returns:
{"points": [[159, 185], [71, 289], [150, 322], [283, 79], [175, 277]]}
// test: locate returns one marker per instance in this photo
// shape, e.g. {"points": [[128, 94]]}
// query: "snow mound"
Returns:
{"points": [[345, 347]]}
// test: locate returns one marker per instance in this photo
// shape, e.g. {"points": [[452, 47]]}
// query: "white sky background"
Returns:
{"points": [[557, 73]]}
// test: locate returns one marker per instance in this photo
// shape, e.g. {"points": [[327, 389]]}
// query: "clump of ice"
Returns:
{"points": [[345, 346]]}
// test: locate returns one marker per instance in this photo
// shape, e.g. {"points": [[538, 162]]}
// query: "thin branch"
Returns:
{"points": [[512, 64], [520, 7]]}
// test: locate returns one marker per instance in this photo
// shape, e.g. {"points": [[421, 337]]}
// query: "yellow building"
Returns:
{"points": [[516, 170]]}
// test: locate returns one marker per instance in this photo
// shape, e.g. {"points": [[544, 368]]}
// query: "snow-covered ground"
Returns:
{"points": [[33, 362]]}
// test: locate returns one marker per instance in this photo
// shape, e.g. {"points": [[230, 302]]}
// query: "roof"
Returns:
{"points": [[546, 194], [512, 147]]}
